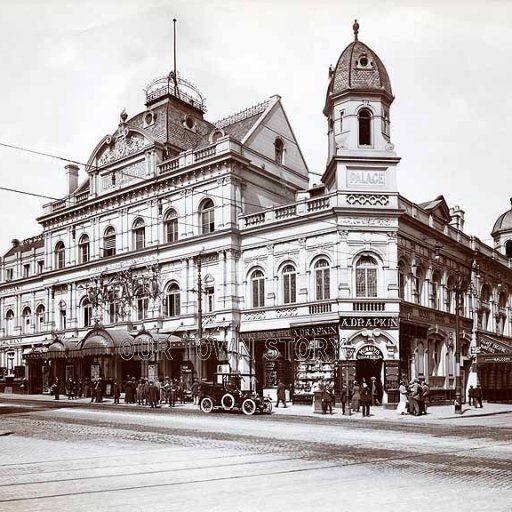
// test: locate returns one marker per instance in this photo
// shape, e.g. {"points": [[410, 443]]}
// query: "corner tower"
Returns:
{"points": [[361, 156]]}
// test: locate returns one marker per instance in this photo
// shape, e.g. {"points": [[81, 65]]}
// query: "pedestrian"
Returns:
{"points": [[281, 394], [343, 397], [152, 394], [195, 392], [425, 396], [69, 388], [356, 397], [86, 388], [166, 389], [140, 392], [172, 393], [74, 389], [157, 391], [374, 391], [366, 398], [55, 388], [479, 396], [117, 392], [99, 391], [128, 391], [146, 392], [327, 397], [414, 395], [471, 396], [402, 404], [181, 391], [94, 390]]}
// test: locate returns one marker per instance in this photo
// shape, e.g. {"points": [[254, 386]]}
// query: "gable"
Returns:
{"points": [[272, 125], [438, 208]]}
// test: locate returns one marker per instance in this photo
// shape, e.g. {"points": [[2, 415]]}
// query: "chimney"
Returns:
{"points": [[457, 218], [72, 177]]}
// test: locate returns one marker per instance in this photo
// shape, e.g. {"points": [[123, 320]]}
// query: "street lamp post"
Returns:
{"points": [[458, 392]]}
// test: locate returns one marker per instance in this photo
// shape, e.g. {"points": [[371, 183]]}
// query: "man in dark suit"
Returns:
{"points": [[281, 394]]}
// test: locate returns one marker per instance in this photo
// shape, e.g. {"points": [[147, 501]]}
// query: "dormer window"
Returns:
{"points": [[365, 127], [364, 62], [189, 123], [279, 151], [149, 119]]}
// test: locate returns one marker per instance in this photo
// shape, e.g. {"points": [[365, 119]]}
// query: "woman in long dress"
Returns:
{"points": [[402, 404], [356, 397]]}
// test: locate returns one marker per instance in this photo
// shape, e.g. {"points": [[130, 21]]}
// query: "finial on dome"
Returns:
{"points": [[123, 116], [511, 201], [355, 26]]}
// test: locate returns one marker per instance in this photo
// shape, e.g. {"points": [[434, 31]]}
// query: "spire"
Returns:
{"points": [[355, 26], [174, 72]]}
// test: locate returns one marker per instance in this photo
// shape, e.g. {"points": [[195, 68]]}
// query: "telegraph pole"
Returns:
{"points": [[458, 393]]}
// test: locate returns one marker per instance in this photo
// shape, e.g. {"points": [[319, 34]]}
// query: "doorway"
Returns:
{"points": [[368, 368]]}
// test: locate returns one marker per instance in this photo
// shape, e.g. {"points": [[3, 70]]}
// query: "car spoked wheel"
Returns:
{"points": [[228, 402], [206, 404], [249, 406]]}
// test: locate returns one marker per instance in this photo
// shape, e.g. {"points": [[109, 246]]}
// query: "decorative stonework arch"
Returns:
{"points": [[130, 142]]}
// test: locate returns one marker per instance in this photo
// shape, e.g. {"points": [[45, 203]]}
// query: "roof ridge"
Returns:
{"points": [[243, 114]]}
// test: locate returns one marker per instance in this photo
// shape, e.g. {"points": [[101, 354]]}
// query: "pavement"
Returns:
{"points": [[435, 414]]}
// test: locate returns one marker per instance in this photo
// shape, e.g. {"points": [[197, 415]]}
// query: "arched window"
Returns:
{"points": [[365, 127], [83, 249], [419, 281], [171, 226], [59, 255], [258, 289], [139, 234], [366, 277], [289, 284], [435, 285], [450, 285], [173, 300], [207, 217], [401, 279], [109, 242], [40, 318], [141, 303], [26, 316], [279, 151], [86, 313], [322, 280], [9, 322], [508, 249]]}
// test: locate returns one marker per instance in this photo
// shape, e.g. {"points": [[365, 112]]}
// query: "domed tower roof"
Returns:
{"points": [[359, 68], [504, 222]]}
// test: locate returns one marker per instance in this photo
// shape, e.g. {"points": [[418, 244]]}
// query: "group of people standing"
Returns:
{"points": [[414, 397], [160, 391], [362, 396]]}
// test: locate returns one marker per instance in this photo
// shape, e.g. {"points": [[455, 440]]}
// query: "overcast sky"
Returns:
{"points": [[69, 68]]}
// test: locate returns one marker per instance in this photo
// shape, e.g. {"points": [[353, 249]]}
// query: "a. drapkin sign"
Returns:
{"points": [[370, 322]]}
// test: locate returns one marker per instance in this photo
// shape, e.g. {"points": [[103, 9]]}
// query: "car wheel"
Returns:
{"points": [[206, 404], [267, 407], [249, 406], [228, 402]]}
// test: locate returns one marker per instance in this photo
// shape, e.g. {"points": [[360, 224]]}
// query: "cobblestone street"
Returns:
{"points": [[82, 458]]}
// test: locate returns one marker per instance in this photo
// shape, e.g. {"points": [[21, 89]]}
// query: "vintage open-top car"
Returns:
{"points": [[228, 397]]}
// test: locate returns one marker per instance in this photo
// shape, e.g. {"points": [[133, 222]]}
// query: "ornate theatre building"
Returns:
{"points": [[193, 248]]}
